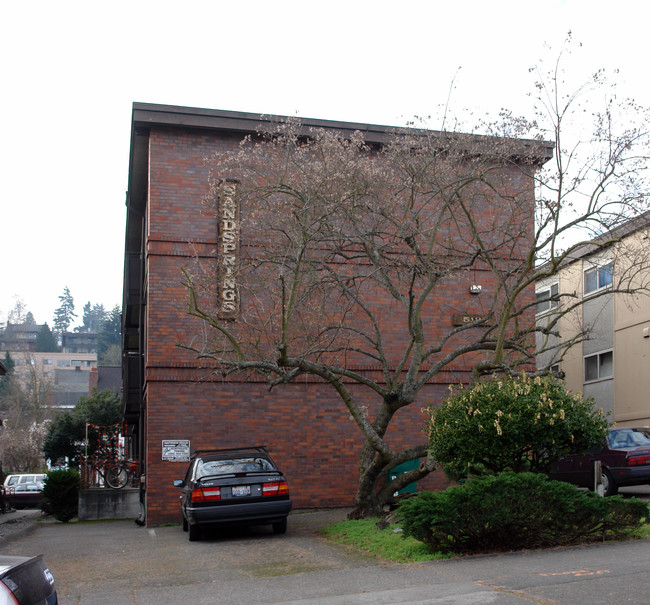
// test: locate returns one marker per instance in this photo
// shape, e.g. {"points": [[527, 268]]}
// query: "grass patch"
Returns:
{"points": [[386, 543]]}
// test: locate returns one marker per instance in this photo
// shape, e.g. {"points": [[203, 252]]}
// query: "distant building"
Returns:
{"points": [[62, 378], [19, 337], [79, 342], [612, 364], [22, 337], [105, 378]]}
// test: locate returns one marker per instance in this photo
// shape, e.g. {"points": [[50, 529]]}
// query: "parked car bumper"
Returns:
{"points": [[246, 513], [630, 475]]}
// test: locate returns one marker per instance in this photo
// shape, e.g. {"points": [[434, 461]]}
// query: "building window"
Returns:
{"points": [[47, 362], [597, 278], [546, 299], [599, 366]]}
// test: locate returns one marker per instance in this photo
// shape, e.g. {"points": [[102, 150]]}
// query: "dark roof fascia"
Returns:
{"points": [[149, 114]]}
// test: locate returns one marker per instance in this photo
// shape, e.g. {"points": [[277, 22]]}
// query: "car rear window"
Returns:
{"points": [[629, 438], [205, 468]]}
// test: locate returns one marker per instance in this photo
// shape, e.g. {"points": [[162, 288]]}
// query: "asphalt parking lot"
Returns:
{"points": [[118, 562]]}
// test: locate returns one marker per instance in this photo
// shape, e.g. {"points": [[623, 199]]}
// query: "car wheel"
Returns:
{"points": [[280, 527], [609, 487], [194, 532], [185, 524]]}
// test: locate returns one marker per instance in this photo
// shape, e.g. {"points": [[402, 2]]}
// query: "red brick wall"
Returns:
{"points": [[304, 424], [306, 429]]}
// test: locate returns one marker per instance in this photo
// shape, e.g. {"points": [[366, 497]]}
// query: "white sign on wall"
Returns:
{"points": [[176, 450]]}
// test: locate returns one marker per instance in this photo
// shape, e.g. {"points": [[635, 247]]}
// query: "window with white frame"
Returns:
{"points": [[546, 299], [597, 278], [598, 366]]}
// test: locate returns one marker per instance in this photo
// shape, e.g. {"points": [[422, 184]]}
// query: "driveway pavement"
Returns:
{"points": [[119, 563]]}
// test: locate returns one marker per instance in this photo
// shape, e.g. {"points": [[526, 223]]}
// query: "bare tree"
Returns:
{"points": [[18, 313], [348, 261], [25, 414]]}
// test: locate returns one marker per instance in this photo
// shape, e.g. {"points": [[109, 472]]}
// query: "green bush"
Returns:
{"points": [[66, 434], [518, 424], [61, 494], [511, 511]]}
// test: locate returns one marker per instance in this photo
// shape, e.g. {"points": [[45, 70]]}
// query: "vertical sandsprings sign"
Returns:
{"points": [[228, 249]]}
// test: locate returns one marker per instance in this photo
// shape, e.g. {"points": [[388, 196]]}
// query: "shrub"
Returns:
{"points": [[511, 511], [66, 434], [519, 424], [61, 494]]}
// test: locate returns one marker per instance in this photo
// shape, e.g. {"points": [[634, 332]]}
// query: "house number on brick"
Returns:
{"points": [[228, 250], [461, 320]]}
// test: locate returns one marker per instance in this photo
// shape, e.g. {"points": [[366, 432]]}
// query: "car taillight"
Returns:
{"points": [[638, 460], [276, 488], [206, 494], [6, 596]]}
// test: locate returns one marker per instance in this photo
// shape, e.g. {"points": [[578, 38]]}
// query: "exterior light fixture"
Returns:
{"points": [[475, 289]]}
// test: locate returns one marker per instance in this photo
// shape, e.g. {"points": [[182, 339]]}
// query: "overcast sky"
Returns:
{"points": [[71, 71]]}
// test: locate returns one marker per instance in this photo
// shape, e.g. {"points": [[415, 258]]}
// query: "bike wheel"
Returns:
{"points": [[117, 477]]}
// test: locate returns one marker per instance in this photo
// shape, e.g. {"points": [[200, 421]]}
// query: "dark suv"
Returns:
{"points": [[240, 486]]}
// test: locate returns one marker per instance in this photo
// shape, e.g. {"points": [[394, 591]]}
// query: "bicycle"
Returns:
{"points": [[113, 474], [121, 474]]}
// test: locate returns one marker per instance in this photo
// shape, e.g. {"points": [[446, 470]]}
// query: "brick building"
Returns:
{"points": [[169, 394]]}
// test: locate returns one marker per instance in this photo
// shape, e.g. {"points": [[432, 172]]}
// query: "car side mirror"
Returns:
{"points": [[179, 483]]}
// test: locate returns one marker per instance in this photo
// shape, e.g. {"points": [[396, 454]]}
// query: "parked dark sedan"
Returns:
{"points": [[26, 581], [241, 486], [625, 460], [25, 495]]}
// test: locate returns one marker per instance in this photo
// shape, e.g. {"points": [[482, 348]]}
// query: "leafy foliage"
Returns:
{"points": [[512, 423], [512, 511], [61, 494], [65, 436]]}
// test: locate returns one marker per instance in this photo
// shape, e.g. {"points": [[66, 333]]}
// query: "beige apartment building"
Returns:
{"points": [[600, 340], [61, 378]]}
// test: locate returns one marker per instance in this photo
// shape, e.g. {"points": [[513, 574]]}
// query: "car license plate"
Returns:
{"points": [[242, 490]]}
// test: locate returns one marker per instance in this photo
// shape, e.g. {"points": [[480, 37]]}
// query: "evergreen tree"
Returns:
{"points": [[45, 341], [64, 315], [110, 333], [93, 317], [9, 363]]}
